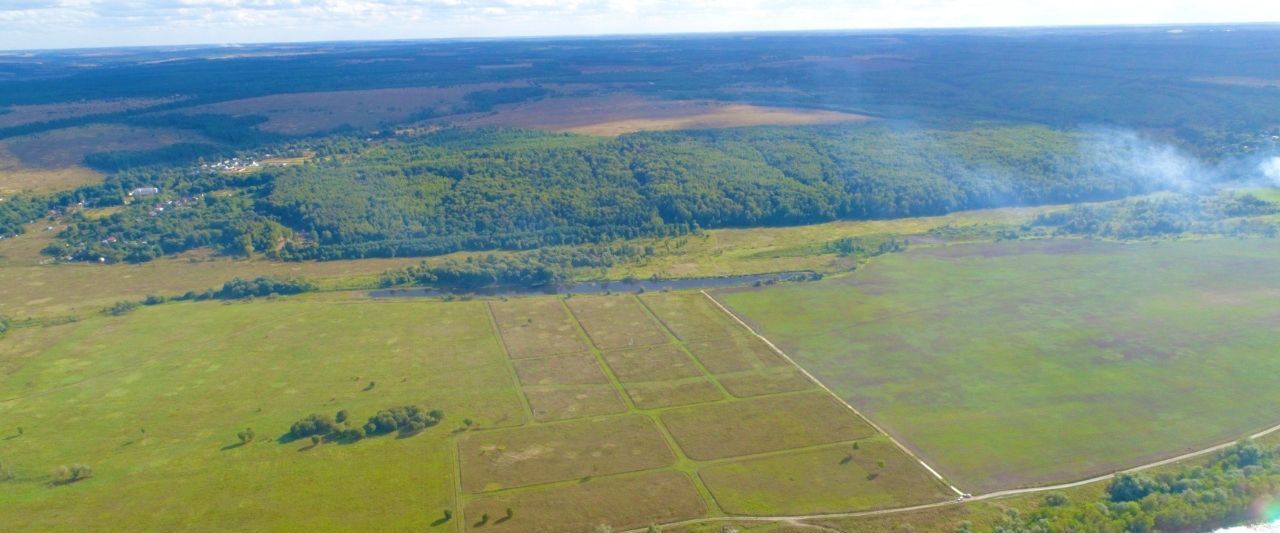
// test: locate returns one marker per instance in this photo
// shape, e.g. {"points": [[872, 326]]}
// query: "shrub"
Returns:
{"points": [[76, 472], [121, 308], [313, 425]]}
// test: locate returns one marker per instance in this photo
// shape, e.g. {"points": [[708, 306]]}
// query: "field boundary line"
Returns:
{"points": [[842, 401]]}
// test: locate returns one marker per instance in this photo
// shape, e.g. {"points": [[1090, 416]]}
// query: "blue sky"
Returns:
{"points": [[28, 24]]}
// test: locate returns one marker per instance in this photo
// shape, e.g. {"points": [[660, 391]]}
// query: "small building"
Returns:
{"points": [[145, 191]]}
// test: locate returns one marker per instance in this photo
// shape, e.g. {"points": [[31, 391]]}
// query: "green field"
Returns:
{"points": [[152, 402], [1025, 363]]}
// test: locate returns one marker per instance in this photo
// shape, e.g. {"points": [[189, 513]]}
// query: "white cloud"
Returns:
{"points": [[64, 23]]}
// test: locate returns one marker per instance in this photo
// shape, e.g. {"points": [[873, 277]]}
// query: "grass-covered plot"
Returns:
{"points": [[691, 315], [744, 427], [533, 327], [563, 403], [838, 478], [616, 321], [154, 401], [1024, 363], [620, 502], [673, 393], [560, 452], [560, 370], [651, 363]]}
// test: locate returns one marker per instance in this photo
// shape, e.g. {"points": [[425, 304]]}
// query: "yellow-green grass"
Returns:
{"points": [[533, 327], [658, 362], [617, 321], [564, 451], [153, 401], [564, 403], [673, 393], [837, 478], [729, 252], [759, 425], [761, 382], [1026, 363], [621, 502], [15, 180], [560, 370]]}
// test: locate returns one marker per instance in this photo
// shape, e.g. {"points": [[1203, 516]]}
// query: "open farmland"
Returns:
{"points": [[1024, 363], [647, 434]]}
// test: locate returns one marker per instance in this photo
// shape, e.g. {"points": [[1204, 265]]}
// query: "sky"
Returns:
{"points": [[33, 24]]}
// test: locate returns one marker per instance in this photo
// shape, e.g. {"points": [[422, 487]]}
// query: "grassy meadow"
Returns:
{"points": [[1024, 363], [552, 423]]}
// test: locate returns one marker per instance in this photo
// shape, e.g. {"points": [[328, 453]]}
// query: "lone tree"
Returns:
{"points": [[509, 514], [246, 436], [315, 440]]}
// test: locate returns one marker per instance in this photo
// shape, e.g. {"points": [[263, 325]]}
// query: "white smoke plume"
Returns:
{"points": [[1155, 165]]}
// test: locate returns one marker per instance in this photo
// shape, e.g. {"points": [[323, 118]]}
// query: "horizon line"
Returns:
{"points": [[625, 35]]}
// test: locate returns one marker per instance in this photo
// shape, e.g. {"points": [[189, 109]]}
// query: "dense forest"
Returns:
{"points": [[514, 189]]}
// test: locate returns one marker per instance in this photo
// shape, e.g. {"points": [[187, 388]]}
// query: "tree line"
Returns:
{"points": [[1221, 493]]}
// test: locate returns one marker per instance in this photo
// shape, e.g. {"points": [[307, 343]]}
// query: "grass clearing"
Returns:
{"points": [[838, 478], [621, 502], [1069, 358], [309, 113], [736, 354], [16, 178], [563, 403], [617, 114], [534, 327], [673, 393], [658, 362], [67, 147], [560, 370], [774, 423], [153, 400], [616, 321], [729, 252], [518, 457], [26, 114], [761, 382]]}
